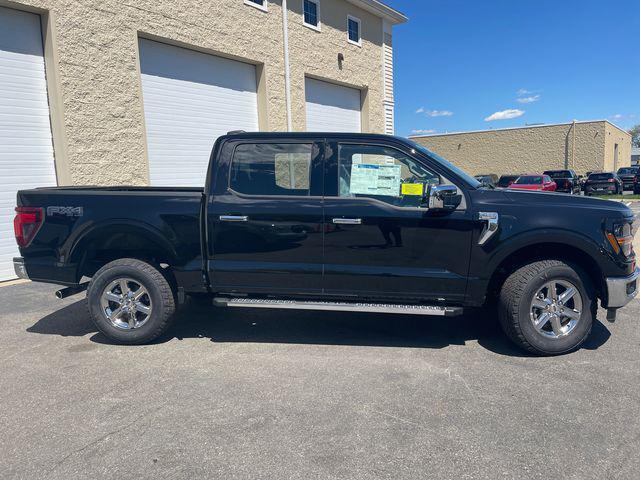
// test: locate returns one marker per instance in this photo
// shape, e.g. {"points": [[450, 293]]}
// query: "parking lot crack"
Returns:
{"points": [[95, 442]]}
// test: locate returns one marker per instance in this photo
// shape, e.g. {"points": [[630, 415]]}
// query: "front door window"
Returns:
{"points": [[383, 173]]}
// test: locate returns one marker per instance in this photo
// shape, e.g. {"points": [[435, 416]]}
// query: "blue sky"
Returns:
{"points": [[458, 62]]}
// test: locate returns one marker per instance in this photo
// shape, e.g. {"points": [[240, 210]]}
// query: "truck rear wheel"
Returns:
{"points": [[130, 301], [547, 307]]}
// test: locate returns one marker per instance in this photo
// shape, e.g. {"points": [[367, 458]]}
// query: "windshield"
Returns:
{"points": [[600, 176], [628, 171], [446, 164], [559, 174], [529, 180]]}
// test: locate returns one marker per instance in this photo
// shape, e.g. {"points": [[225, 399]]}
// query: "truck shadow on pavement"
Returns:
{"points": [[194, 320]]}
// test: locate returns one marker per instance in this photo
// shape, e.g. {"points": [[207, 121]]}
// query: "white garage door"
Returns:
{"points": [[26, 149], [332, 108], [190, 99]]}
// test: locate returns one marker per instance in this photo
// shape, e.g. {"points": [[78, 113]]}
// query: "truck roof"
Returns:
{"points": [[276, 135]]}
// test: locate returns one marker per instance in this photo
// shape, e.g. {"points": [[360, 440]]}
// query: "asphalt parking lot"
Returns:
{"points": [[272, 394]]}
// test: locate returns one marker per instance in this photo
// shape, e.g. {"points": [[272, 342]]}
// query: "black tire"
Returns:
{"points": [[514, 307], [160, 296]]}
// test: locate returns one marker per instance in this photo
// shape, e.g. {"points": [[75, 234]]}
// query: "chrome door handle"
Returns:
{"points": [[347, 221], [234, 218], [490, 228]]}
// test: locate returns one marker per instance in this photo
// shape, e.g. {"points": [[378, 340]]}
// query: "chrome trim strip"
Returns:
{"points": [[234, 218], [347, 221]]}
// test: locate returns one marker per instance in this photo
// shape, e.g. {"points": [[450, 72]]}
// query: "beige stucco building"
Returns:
{"points": [[95, 74], [135, 92], [581, 146]]}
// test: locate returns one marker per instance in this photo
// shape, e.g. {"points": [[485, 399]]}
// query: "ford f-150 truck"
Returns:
{"points": [[341, 222]]}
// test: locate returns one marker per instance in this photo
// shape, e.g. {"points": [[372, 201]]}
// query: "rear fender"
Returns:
{"points": [[102, 231]]}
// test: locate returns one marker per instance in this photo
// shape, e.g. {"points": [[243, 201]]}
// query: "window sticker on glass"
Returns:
{"points": [[413, 189], [378, 180]]}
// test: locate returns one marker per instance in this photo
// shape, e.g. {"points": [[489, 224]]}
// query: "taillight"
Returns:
{"points": [[636, 179], [611, 180], [27, 223], [621, 239]]}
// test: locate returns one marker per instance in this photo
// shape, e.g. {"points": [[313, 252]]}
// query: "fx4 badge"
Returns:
{"points": [[67, 211]]}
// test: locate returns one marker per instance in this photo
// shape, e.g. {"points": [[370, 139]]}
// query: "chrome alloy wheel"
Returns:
{"points": [[556, 309], [126, 304]]}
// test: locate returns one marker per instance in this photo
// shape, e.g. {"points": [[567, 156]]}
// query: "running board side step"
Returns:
{"points": [[339, 306]]}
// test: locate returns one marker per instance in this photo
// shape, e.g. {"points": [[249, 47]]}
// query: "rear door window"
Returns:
{"points": [[272, 169]]}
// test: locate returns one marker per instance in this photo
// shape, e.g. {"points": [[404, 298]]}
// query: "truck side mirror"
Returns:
{"points": [[444, 198]]}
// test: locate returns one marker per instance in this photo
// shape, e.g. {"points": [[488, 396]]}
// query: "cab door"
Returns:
{"points": [[381, 241], [265, 217]]}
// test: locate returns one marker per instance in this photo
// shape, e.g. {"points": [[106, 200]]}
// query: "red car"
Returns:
{"points": [[535, 182]]}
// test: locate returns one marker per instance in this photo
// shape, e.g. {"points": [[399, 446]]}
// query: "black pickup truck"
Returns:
{"points": [[325, 221], [567, 181]]}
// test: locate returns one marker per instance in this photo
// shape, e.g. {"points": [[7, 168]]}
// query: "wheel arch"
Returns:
{"points": [[108, 241], [546, 250]]}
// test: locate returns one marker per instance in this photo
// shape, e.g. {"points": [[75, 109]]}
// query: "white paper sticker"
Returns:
{"points": [[378, 180]]}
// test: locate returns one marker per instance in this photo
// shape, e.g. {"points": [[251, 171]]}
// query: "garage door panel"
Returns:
{"points": [[332, 108], [26, 150], [191, 67], [190, 99]]}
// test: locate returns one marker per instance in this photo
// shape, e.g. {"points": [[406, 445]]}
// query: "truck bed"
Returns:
{"points": [[82, 224]]}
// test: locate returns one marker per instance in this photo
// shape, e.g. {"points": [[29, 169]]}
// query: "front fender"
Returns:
{"points": [[494, 256]]}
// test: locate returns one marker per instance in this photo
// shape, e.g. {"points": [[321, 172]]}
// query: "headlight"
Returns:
{"points": [[621, 239]]}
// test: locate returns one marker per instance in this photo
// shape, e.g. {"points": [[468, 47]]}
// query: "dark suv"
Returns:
{"points": [[628, 175], [603, 184]]}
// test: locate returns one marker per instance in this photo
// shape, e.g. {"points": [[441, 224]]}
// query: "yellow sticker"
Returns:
{"points": [[415, 189]]}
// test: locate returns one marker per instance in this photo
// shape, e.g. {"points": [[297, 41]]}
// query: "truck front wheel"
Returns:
{"points": [[130, 301], [547, 307]]}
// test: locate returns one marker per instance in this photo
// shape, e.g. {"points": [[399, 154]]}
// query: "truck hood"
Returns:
{"points": [[561, 201]]}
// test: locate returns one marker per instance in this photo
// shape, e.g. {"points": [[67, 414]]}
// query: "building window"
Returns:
{"points": [[311, 13], [260, 4], [353, 30]]}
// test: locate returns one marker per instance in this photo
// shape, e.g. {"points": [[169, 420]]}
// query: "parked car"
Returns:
{"points": [[583, 180], [603, 184], [636, 184], [507, 180], [489, 179], [628, 175], [567, 181], [534, 182], [321, 221]]}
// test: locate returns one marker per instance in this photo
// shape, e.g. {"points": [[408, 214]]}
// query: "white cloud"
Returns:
{"points": [[505, 115], [422, 132], [434, 113], [439, 113], [622, 116], [524, 91], [530, 99]]}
